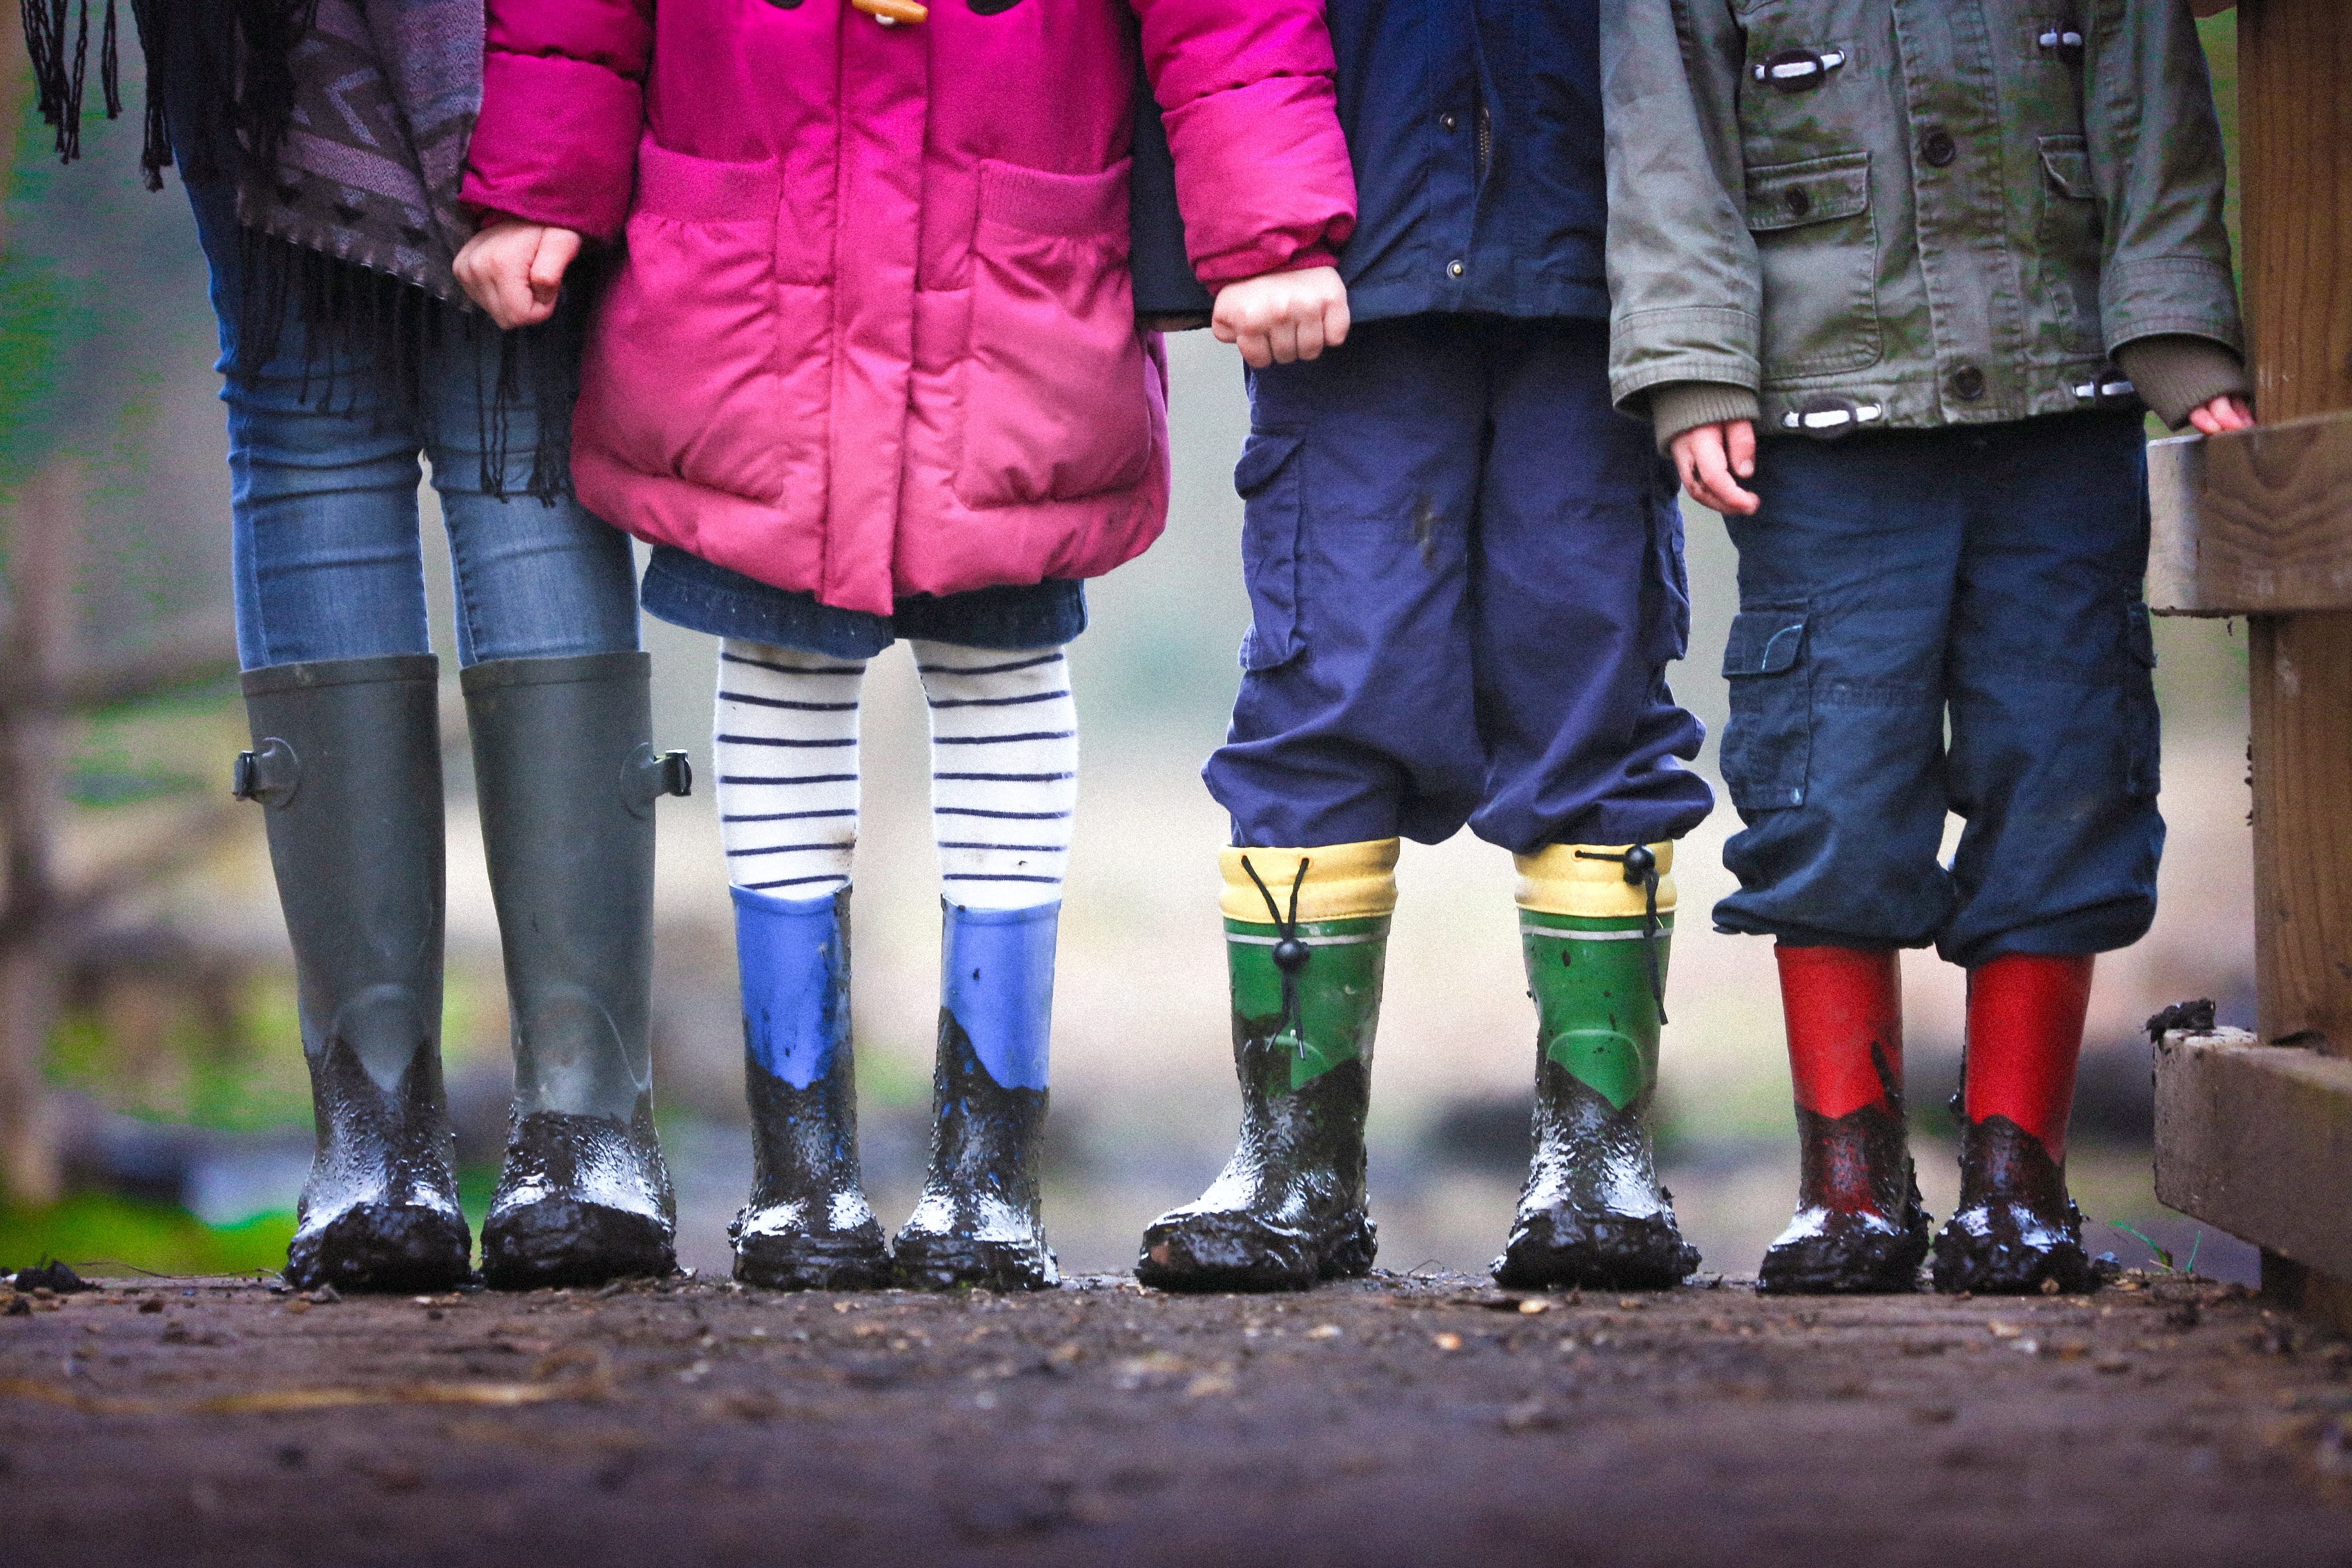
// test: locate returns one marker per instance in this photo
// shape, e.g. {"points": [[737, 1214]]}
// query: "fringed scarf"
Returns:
{"points": [[343, 125]]}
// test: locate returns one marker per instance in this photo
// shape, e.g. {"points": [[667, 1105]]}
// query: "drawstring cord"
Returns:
{"points": [[1641, 869], [1290, 953]]}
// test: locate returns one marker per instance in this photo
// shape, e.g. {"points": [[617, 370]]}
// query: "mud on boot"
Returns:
{"points": [[2015, 1226], [581, 1200], [979, 1221], [808, 1225], [1306, 950], [1592, 1214], [380, 1210], [1596, 923], [1860, 1227], [346, 764]]}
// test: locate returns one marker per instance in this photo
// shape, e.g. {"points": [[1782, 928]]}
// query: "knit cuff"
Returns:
{"points": [[1686, 405], [2175, 373]]}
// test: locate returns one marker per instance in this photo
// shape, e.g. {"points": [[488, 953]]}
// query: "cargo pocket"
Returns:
{"points": [[1054, 400], [1768, 747], [2069, 241], [2143, 762], [1817, 250], [1272, 500]]}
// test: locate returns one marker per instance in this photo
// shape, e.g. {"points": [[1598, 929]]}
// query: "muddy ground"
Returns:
{"points": [[1392, 1421]]}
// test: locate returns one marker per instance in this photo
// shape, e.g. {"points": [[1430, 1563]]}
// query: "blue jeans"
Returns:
{"points": [[1465, 579], [1893, 581], [328, 556]]}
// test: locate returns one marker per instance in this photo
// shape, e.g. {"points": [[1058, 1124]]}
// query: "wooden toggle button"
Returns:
{"points": [[890, 13]]}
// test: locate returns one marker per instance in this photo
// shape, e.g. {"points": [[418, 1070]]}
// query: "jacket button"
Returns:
{"points": [[1799, 203], [1447, 121], [1454, 269], [1967, 383], [1938, 147]]}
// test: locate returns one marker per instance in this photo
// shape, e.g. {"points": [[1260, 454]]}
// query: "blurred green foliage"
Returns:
{"points": [[99, 1234]]}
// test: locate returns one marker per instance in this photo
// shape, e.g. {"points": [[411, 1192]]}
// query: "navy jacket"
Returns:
{"points": [[1475, 130]]}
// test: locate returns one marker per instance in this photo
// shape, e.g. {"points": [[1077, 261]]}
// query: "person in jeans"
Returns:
{"points": [[322, 161], [1894, 284]]}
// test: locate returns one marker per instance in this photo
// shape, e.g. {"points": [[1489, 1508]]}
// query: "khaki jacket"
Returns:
{"points": [[1907, 213]]}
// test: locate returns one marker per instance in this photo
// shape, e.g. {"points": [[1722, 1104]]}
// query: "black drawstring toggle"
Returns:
{"points": [[1641, 870], [1290, 953]]}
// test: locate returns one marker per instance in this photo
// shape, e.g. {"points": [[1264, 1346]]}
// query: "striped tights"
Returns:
{"points": [[1004, 770]]}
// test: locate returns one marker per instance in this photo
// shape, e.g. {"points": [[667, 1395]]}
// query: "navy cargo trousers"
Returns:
{"points": [[1466, 584], [1894, 582]]}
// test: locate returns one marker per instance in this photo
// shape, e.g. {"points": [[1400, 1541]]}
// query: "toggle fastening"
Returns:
{"points": [[1797, 71], [1291, 954]]}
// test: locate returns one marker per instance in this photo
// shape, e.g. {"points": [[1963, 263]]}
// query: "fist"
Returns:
{"points": [[514, 271], [1279, 317]]}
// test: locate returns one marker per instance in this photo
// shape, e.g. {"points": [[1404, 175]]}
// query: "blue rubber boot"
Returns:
{"points": [[808, 1225], [978, 1222]]}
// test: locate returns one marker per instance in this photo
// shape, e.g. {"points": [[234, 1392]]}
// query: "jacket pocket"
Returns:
{"points": [[1272, 501], [1055, 405], [1768, 746], [1817, 255], [2069, 237], [682, 377]]}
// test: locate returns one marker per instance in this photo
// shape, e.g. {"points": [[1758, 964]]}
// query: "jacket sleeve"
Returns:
{"points": [[1262, 172], [1682, 276], [563, 109], [2155, 158]]}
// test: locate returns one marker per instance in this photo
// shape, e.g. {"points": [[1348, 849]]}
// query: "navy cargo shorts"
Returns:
{"points": [[1466, 584], [1894, 582]]}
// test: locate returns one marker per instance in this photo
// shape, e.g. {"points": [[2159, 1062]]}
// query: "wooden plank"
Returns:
{"points": [[2258, 1140], [2294, 59], [2256, 522]]}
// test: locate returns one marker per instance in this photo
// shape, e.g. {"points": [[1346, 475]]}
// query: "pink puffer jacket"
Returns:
{"points": [[874, 334]]}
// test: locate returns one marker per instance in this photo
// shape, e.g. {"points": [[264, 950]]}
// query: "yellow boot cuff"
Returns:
{"points": [[1555, 882], [1344, 881]]}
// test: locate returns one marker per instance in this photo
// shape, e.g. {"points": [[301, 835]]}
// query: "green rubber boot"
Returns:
{"points": [[1592, 1212], [1288, 1209]]}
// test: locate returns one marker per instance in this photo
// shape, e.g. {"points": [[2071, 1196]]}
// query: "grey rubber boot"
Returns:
{"points": [[346, 762], [567, 777]]}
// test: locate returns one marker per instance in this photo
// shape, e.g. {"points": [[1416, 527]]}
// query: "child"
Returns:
{"points": [[869, 369], [1465, 581], [1937, 230]]}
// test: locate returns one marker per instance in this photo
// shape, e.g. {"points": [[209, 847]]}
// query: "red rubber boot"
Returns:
{"points": [[1859, 1226], [2016, 1228]]}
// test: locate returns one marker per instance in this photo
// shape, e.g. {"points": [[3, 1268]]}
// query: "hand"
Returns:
{"points": [[514, 269], [1708, 456], [1279, 317], [2226, 413]]}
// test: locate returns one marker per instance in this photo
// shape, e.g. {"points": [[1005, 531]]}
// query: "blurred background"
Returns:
{"points": [[153, 1111]]}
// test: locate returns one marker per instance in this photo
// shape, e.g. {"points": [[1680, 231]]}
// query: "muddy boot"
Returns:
{"points": [[2015, 1228], [567, 780], [978, 1221], [808, 1225], [1306, 943], [1594, 924], [346, 760], [1860, 1227]]}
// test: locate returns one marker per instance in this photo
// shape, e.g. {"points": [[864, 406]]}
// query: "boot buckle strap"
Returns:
{"points": [[649, 775], [270, 773]]}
